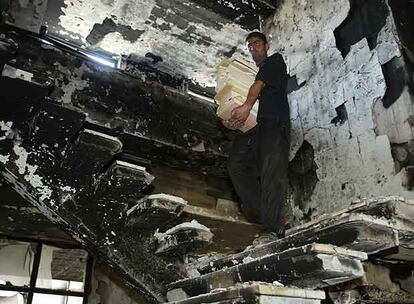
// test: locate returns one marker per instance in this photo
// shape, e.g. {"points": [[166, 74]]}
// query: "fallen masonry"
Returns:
{"points": [[255, 292], [309, 266], [352, 228], [371, 262]]}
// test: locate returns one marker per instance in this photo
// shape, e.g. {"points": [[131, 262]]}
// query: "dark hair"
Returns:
{"points": [[258, 35]]}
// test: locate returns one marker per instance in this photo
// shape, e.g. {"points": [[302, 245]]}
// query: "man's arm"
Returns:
{"points": [[240, 113]]}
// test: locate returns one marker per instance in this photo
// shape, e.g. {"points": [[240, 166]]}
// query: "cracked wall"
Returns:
{"points": [[353, 104]]}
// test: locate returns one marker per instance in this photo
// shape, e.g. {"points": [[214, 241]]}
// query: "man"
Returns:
{"points": [[258, 160]]}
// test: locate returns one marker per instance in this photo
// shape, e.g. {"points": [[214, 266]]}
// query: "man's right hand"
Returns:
{"points": [[228, 125], [239, 115]]}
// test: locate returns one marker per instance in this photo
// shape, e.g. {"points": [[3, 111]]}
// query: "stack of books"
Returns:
{"points": [[234, 78]]}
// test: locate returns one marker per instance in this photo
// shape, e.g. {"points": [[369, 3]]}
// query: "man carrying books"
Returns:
{"points": [[258, 160]]}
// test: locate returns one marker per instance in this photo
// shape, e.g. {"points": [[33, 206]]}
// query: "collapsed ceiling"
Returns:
{"points": [[178, 43]]}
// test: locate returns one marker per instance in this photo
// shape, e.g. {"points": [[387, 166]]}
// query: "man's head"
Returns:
{"points": [[257, 46]]}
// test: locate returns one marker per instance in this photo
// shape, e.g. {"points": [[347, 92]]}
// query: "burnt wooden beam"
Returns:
{"points": [[183, 238], [253, 293], [310, 266], [155, 211]]}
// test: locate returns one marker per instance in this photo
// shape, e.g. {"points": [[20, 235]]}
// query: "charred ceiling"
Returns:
{"points": [[178, 43]]}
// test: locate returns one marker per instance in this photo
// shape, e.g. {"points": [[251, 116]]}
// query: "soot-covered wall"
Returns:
{"points": [[353, 107]]}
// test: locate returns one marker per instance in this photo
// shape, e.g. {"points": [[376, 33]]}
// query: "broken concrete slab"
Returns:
{"points": [[388, 207], [309, 266], [183, 238], [352, 231], [155, 211], [391, 279], [97, 149], [405, 249], [255, 292], [122, 181]]}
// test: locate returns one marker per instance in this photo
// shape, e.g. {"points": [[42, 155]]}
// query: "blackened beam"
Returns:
{"points": [[20, 219], [164, 125], [69, 173]]}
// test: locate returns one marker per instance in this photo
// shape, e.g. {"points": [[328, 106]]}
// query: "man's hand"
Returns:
{"points": [[228, 125], [239, 116]]}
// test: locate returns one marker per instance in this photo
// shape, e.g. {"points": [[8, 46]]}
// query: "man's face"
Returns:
{"points": [[257, 49]]}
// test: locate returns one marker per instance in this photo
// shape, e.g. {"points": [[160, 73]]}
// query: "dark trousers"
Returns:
{"points": [[257, 164]]}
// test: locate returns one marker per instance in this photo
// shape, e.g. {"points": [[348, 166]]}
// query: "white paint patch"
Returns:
{"points": [[184, 226], [132, 13], [68, 189], [160, 197], [4, 159], [301, 28], [28, 171], [395, 120], [22, 158], [5, 126], [387, 43], [75, 83], [167, 197], [12, 72], [190, 59], [103, 135]]}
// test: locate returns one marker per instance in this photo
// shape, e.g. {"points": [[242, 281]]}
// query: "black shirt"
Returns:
{"points": [[273, 104]]}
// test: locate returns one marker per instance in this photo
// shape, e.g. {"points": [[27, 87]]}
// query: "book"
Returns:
{"points": [[238, 72], [234, 78], [228, 99]]}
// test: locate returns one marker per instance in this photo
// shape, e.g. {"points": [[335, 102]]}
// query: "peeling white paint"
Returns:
{"points": [[76, 82], [192, 60], [15, 73], [387, 42], [395, 120], [27, 14], [161, 197], [22, 158], [5, 127], [193, 225], [352, 160]]}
